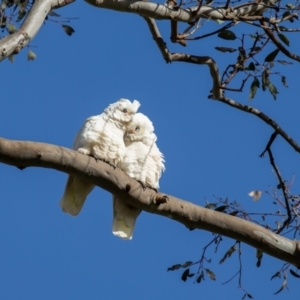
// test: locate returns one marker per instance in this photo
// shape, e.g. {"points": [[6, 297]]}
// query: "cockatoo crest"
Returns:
{"points": [[121, 111]]}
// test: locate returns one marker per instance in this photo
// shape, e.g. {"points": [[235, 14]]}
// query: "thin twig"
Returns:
{"points": [[277, 43], [212, 33], [284, 189], [272, 138], [194, 59]]}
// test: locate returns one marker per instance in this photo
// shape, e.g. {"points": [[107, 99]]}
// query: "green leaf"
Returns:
{"points": [[253, 88], [211, 205], [210, 274], [21, 15], [283, 80], [290, 6], [294, 273], [271, 56], [53, 14], [234, 213], [11, 58], [186, 264], [221, 208], [225, 49], [259, 256], [286, 13], [249, 296], [265, 79], [283, 62], [186, 274], [3, 22], [259, 253], [284, 285], [174, 267], [200, 277], [284, 38], [68, 29], [277, 274], [273, 90], [282, 28], [227, 35], [251, 67], [11, 28], [31, 55], [219, 21], [228, 253]]}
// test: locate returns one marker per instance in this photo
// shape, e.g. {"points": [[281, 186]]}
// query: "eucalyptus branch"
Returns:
{"points": [[270, 34], [230, 24], [188, 15], [270, 142], [241, 87], [284, 191], [200, 60], [30, 154], [263, 117]]}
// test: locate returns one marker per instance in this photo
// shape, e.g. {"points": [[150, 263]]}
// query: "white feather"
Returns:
{"points": [[142, 161], [101, 137]]}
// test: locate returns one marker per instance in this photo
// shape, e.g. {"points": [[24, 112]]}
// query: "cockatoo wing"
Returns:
{"points": [[124, 219], [75, 195]]}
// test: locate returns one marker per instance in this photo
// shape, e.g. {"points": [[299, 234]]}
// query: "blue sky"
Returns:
{"points": [[210, 150]]}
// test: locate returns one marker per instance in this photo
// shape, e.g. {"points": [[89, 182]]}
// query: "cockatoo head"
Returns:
{"points": [[139, 129], [123, 110]]}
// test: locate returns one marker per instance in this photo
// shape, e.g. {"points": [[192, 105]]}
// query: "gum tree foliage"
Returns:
{"points": [[251, 68]]}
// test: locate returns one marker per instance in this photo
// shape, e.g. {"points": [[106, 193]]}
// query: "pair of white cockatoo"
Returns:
{"points": [[126, 139]]}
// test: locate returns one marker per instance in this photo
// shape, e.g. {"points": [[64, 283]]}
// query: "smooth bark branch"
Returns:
{"points": [[271, 35], [262, 116], [194, 59], [165, 12], [12, 44], [24, 154]]}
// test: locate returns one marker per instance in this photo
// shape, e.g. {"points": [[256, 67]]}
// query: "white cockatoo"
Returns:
{"points": [[142, 161], [101, 137]]}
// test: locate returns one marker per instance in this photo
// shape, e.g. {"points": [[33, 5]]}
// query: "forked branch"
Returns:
{"points": [[264, 117], [194, 59]]}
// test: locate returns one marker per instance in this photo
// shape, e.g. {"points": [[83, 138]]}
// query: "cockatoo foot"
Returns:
{"points": [[106, 161]]}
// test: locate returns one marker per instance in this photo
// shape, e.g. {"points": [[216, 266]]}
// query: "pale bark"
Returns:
{"points": [[187, 15], [24, 154], [13, 44]]}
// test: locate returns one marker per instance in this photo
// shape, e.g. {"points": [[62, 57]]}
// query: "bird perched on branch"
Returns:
{"points": [[142, 161], [101, 137]]}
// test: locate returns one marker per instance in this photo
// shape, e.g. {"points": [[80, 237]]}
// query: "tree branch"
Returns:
{"points": [[284, 191], [24, 154], [262, 116], [187, 15], [194, 59], [272, 37], [13, 44]]}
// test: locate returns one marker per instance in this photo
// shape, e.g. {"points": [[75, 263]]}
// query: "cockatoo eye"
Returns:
{"points": [[137, 128], [124, 110]]}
